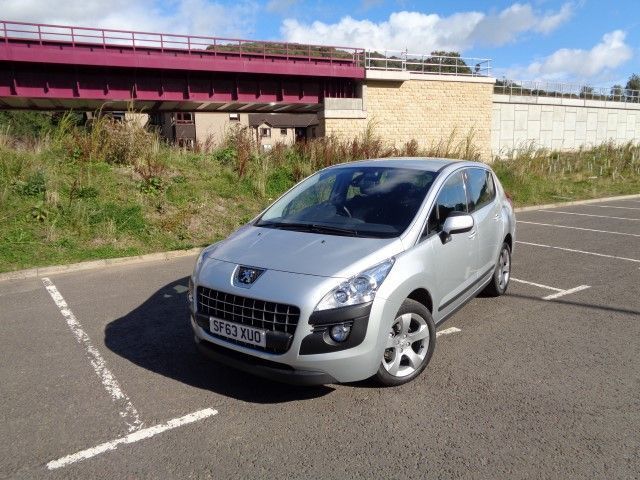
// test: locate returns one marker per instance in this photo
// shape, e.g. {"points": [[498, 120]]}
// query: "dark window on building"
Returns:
{"points": [[481, 188], [313, 132], [155, 118], [234, 117], [184, 117], [283, 131], [452, 198], [265, 132]]}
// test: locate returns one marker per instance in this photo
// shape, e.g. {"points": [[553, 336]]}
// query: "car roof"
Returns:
{"points": [[417, 163]]}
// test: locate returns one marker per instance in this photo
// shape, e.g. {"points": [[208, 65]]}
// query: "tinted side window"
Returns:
{"points": [[481, 188], [452, 198]]}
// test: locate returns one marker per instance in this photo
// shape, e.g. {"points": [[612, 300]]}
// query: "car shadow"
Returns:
{"points": [[157, 336]]}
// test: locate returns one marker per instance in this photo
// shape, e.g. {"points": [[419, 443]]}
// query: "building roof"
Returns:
{"points": [[283, 120]]}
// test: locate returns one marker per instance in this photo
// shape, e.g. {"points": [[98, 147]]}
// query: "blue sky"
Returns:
{"points": [[574, 41]]}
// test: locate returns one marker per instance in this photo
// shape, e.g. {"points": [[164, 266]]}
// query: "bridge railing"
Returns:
{"points": [[565, 90], [46, 34], [432, 63]]}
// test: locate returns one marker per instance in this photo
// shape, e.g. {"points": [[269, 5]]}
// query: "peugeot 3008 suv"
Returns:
{"points": [[347, 275]]}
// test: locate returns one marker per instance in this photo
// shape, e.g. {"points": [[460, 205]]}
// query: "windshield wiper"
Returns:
{"points": [[310, 227], [285, 226], [315, 227]]}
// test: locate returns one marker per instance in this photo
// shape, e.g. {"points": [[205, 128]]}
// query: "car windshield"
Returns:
{"points": [[352, 200]]}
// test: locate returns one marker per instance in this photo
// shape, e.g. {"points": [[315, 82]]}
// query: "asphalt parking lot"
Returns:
{"points": [[100, 378]]}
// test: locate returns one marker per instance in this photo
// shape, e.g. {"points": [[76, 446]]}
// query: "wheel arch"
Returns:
{"points": [[509, 241], [422, 295]]}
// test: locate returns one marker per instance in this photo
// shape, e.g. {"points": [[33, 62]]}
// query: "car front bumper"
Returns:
{"points": [[279, 372], [341, 365]]}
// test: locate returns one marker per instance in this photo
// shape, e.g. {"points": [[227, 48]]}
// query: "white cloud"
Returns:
{"points": [[176, 16], [424, 32], [504, 27], [574, 64], [551, 22]]}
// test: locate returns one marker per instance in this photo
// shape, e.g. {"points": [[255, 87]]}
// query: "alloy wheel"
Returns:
{"points": [[504, 269], [407, 345]]}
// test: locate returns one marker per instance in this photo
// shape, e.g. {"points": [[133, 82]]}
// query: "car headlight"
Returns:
{"points": [[361, 288]]}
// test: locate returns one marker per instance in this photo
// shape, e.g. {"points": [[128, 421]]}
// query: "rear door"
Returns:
{"points": [[454, 262], [485, 208]]}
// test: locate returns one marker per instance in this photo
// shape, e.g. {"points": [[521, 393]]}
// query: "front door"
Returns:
{"points": [[454, 261]]}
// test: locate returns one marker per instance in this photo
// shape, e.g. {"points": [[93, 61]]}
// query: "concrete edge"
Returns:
{"points": [[151, 257], [577, 202], [93, 264]]}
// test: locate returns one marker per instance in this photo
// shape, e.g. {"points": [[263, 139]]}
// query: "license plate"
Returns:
{"points": [[251, 335]]}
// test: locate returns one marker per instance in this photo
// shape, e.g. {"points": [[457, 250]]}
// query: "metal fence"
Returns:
{"points": [[81, 36], [397, 60], [565, 90]]}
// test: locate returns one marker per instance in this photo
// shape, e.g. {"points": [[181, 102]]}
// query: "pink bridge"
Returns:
{"points": [[51, 67]]}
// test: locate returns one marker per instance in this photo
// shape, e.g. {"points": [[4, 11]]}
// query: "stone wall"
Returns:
{"points": [[560, 123], [425, 108]]}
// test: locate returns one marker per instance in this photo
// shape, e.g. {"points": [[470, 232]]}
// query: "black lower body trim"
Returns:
{"points": [[480, 279], [320, 342], [262, 368]]}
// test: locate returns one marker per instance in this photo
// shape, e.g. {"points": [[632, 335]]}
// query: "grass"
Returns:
{"points": [[71, 193], [536, 176]]}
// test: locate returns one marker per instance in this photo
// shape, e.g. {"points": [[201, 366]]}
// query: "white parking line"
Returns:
{"points": [[126, 409], [517, 280], [131, 438], [626, 259], [580, 228], [590, 215], [447, 331], [559, 291], [613, 206], [565, 292]]}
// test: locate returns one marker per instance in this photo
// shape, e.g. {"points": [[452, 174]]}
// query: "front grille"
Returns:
{"points": [[276, 317]]}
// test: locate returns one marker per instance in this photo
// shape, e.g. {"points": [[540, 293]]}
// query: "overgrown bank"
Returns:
{"points": [[538, 176], [72, 193]]}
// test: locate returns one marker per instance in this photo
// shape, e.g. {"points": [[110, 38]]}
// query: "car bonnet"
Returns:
{"points": [[304, 252]]}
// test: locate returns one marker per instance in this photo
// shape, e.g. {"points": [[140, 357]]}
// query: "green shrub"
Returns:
{"points": [[225, 155], [35, 185], [279, 181], [151, 185]]}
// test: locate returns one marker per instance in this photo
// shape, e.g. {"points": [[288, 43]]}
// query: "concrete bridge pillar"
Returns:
{"points": [[434, 110]]}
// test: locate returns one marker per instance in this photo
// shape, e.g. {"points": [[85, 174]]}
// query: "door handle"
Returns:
{"points": [[496, 217], [472, 233]]}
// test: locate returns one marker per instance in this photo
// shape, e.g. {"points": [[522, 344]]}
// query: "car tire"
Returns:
{"points": [[501, 274], [412, 340]]}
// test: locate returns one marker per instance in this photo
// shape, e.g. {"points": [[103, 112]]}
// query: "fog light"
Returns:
{"points": [[339, 333]]}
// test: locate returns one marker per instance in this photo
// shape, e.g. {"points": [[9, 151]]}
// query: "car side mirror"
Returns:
{"points": [[456, 222]]}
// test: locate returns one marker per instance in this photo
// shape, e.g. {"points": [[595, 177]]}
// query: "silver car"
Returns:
{"points": [[347, 275]]}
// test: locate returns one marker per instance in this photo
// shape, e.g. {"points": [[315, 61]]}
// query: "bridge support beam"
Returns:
{"points": [[59, 87]]}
